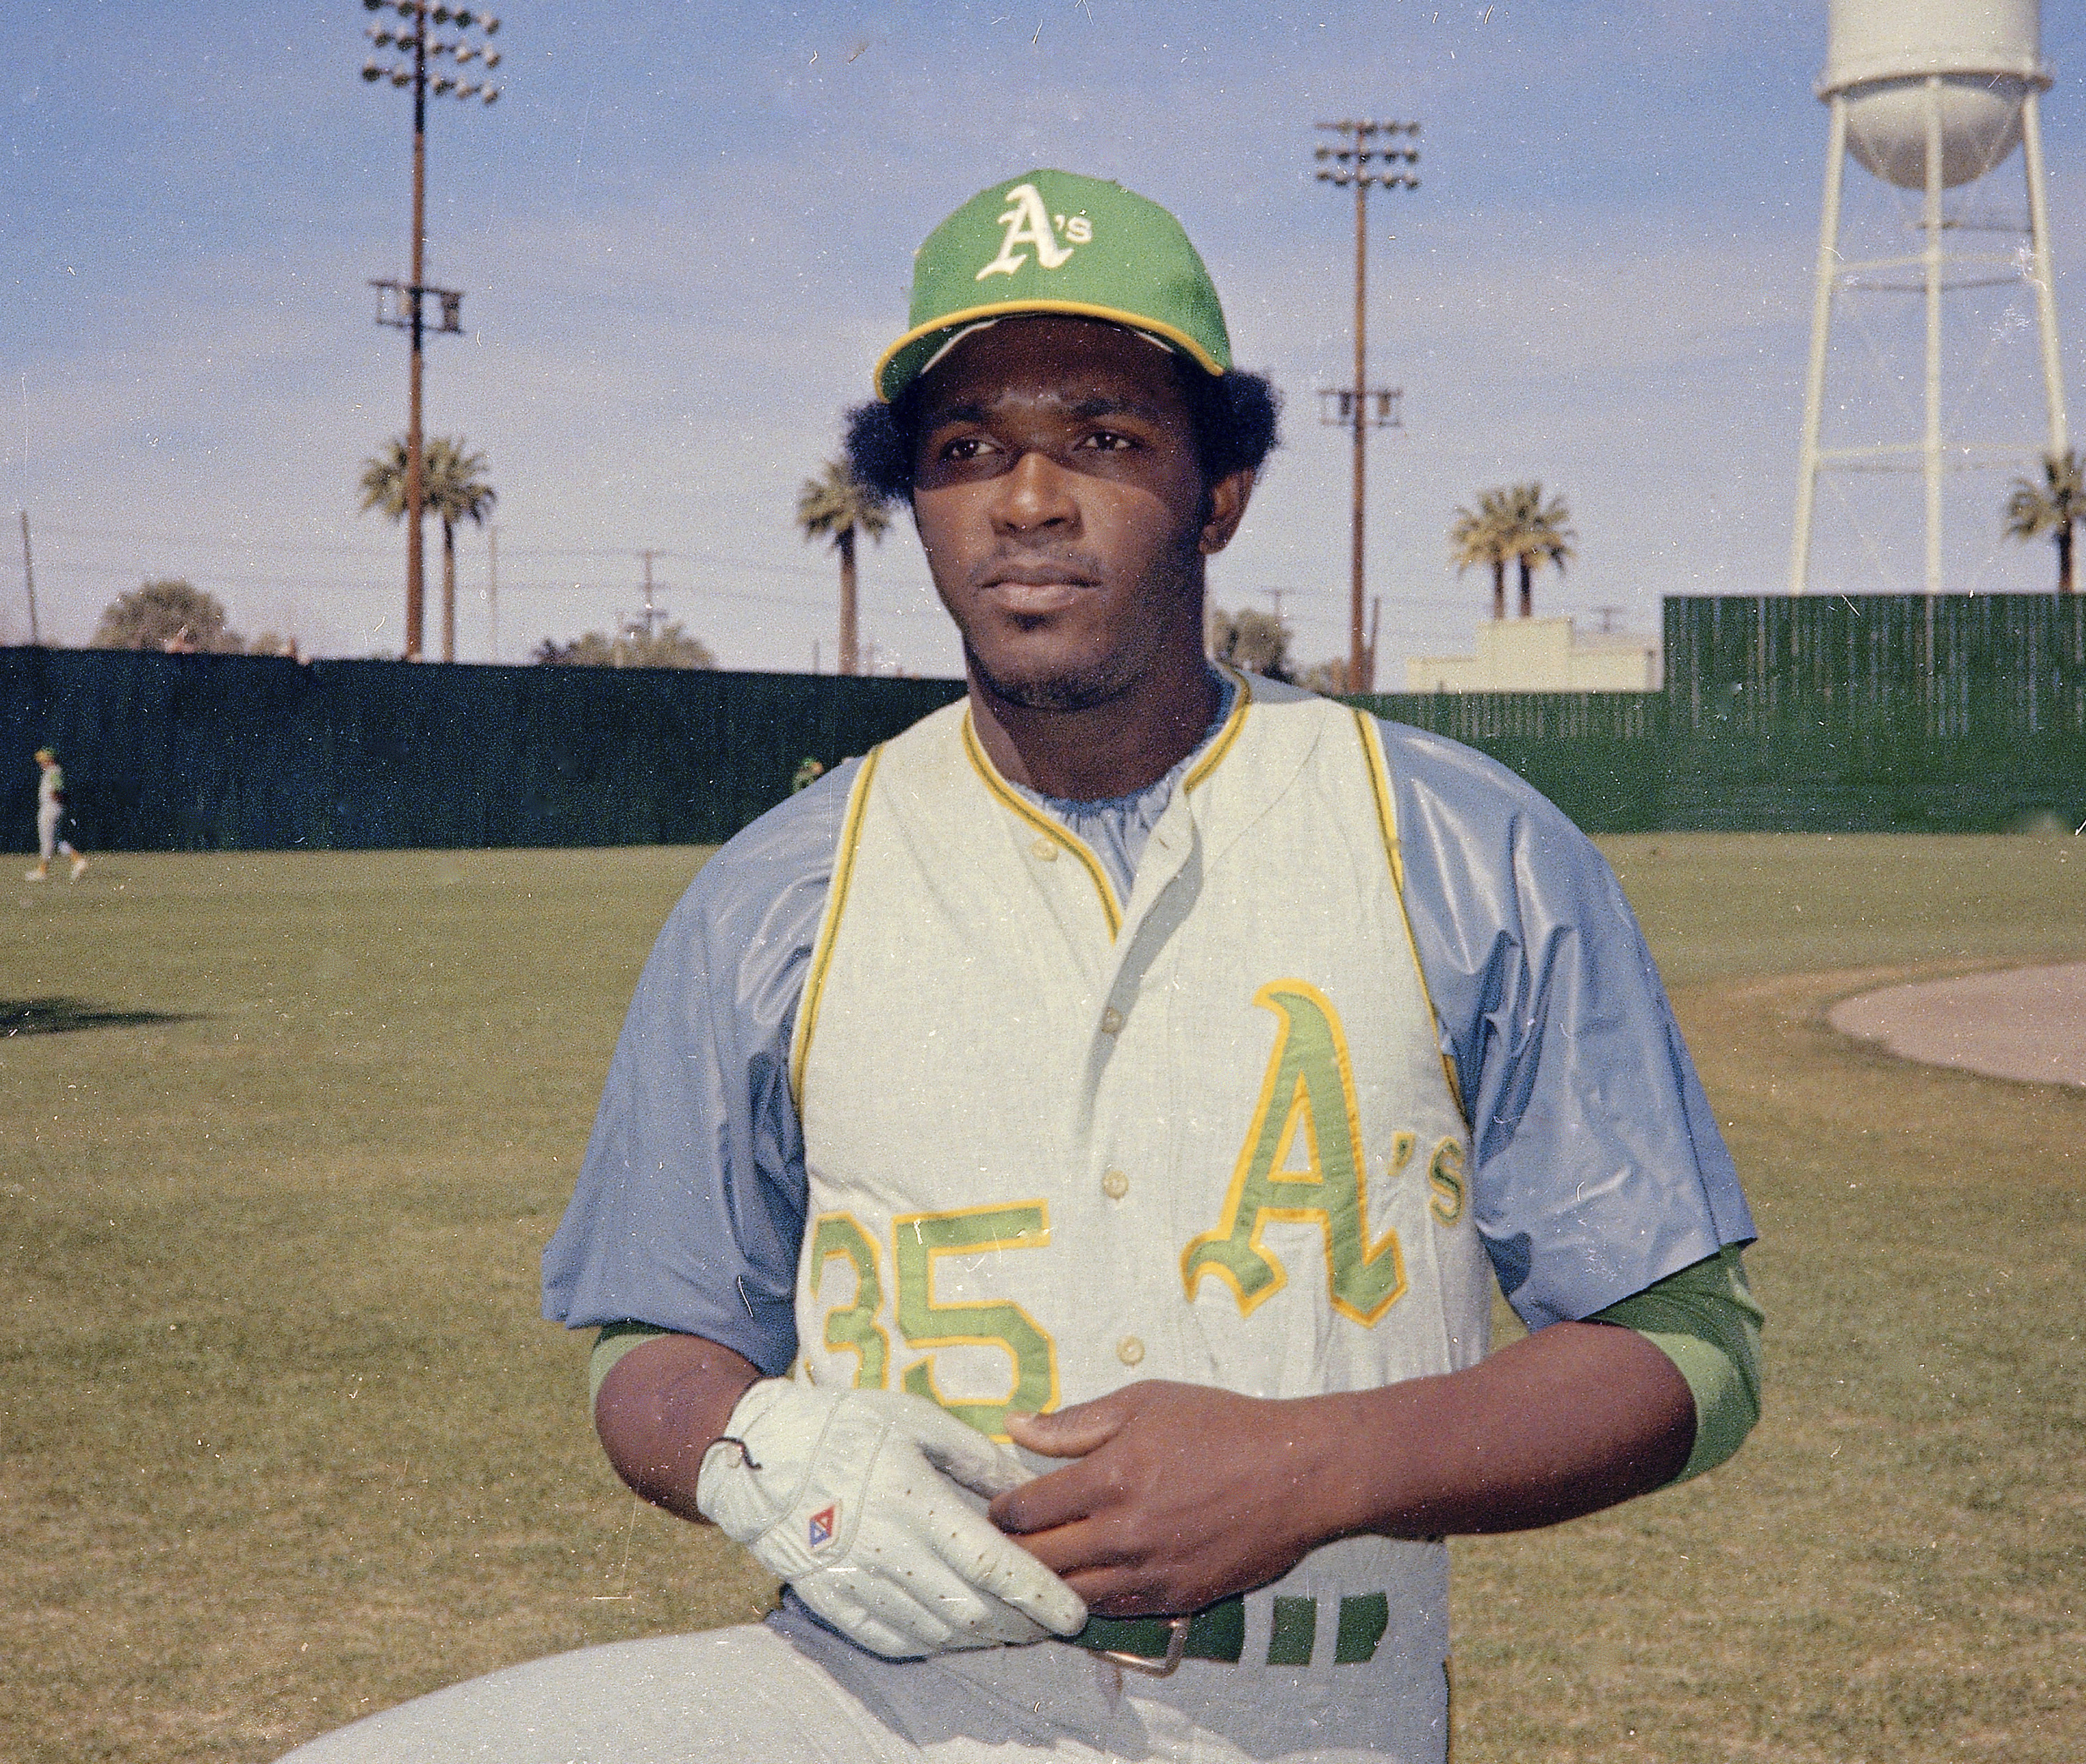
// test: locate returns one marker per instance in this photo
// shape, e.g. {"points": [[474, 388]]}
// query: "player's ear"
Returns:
{"points": [[1227, 497]]}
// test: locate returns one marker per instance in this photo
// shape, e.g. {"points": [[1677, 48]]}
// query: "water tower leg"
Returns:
{"points": [[2045, 296], [1932, 256], [1821, 321]]}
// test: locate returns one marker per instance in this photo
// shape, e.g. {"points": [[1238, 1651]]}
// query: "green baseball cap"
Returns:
{"points": [[1055, 242]]}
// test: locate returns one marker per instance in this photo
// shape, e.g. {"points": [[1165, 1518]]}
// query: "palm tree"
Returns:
{"points": [[2051, 506], [1541, 533], [452, 485], [833, 506], [1481, 536]]}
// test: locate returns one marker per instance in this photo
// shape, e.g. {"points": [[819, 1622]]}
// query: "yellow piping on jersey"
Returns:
{"points": [[1060, 836], [822, 951], [1226, 736], [1387, 816]]}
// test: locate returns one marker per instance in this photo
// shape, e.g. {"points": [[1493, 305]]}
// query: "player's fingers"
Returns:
{"points": [[965, 1455], [1007, 1572], [984, 1557], [1073, 1432], [936, 1602], [1080, 1547], [909, 1603], [852, 1620], [1080, 1491]]}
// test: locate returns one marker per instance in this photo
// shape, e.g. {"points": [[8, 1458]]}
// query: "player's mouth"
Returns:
{"points": [[1035, 590]]}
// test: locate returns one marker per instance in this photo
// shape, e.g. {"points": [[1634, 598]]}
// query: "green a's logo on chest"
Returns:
{"points": [[1309, 1094]]}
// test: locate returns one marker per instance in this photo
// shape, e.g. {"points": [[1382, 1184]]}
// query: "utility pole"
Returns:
{"points": [[29, 582], [1362, 406], [492, 586], [650, 613], [399, 304]]}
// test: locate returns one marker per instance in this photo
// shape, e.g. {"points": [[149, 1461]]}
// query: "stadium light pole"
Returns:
{"points": [[399, 304], [1360, 164]]}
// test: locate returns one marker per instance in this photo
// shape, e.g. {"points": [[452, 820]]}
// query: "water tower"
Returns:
{"points": [[1930, 96]]}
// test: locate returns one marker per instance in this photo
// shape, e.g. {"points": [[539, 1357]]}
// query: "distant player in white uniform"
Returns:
{"points": [[1048, 1194], [50, 817]]}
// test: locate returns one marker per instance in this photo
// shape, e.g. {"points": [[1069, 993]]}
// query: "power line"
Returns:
{"points": [[217, 545], [377, 556]]}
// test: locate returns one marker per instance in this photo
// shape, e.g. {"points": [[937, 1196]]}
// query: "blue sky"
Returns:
{"points": [[684, 232]]}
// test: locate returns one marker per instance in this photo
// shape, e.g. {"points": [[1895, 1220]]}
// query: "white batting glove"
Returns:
{"points": [[871, 1504]]}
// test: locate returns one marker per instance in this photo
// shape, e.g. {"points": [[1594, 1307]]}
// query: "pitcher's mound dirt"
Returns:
{"points": [[2026, 1022]]}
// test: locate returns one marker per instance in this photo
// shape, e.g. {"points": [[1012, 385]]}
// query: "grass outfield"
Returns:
{"points": [[282, 1136]]}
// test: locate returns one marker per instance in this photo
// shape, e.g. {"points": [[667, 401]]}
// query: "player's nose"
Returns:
{"points": [[1036, 493]]}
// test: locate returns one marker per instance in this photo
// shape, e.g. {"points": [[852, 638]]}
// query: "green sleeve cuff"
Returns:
{"points": [[613, 1341], [1705, 1320]]}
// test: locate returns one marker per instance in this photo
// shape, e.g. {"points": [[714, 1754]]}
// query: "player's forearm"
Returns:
{"points": [[661, 1408], [1576, 1418]]}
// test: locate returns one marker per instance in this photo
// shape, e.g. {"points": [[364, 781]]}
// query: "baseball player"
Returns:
{"points": [[1049, 1191], [51, 817]]}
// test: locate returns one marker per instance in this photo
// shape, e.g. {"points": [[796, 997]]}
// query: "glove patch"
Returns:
{"points": [[824, 1526]]}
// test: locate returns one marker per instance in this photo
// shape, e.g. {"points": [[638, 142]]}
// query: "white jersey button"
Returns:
{"points": [[1111, 1022], [1046, 849], [1130, 1350], [1115, 1185]]}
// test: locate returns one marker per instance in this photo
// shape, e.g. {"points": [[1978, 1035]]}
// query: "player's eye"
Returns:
{"points": [[1107, 441], [961, 447]]}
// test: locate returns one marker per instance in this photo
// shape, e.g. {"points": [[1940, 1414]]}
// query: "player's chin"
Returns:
{"points": [[1039, 674]]}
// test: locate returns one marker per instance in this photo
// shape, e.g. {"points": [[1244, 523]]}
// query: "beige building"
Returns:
{"points": [[1540, 655]]}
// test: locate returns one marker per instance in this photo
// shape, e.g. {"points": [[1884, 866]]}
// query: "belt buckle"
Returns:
{"points": [[1176, 1641]]}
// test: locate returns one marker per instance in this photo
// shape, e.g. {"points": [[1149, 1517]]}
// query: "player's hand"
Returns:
{"points": [[871, 1504], [1180, 1495]]}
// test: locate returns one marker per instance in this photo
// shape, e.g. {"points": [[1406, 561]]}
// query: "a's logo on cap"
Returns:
{"points": [[1029, 223], [824, 1522]]}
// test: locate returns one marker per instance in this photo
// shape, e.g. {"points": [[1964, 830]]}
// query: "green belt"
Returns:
{"points": [[1215, 1632], [1157, 1645]]}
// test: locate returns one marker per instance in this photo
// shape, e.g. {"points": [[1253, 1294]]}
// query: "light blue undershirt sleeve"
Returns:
{"points": [[689, 1207], [1598, 1169]]}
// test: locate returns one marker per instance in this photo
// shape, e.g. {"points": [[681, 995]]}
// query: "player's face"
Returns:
{"points": [[1063, 511]]}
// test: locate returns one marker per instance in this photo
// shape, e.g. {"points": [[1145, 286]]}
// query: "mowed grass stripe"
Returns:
{"points": [[284, 1441]]}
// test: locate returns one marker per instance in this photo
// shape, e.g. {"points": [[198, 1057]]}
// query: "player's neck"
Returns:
{"points": [[1110, 749]]}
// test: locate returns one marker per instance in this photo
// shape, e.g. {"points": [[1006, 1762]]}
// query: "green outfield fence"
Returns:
{"points": [[198, 753], [1826, 713]]}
